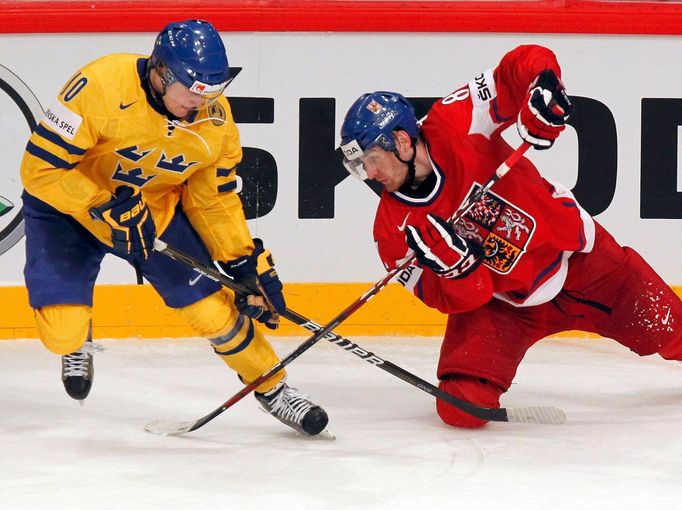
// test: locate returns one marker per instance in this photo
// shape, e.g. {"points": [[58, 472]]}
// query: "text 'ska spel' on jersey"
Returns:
{"points": [[105, 130], [527, 225]]}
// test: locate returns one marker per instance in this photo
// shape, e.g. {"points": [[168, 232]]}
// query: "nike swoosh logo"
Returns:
{"points": [[124, 106], [665, 321], [193, 281], [401, 228]]}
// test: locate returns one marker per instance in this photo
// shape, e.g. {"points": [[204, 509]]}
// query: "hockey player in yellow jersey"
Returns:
{"points": [[137, 147]]}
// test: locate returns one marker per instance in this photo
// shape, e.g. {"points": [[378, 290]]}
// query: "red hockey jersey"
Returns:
{"points": [[528, 226]]}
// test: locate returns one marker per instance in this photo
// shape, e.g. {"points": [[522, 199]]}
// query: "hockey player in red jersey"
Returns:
{"points": [[526, 261]]}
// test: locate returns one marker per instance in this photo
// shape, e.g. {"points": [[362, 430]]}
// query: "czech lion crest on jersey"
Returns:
{"points": [[501, 228]]}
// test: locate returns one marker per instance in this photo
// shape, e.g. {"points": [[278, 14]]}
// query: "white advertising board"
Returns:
{"points": [[623, 73]]}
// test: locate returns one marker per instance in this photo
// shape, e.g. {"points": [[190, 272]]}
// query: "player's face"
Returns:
{"points": [[383, 167], [181, 101]]}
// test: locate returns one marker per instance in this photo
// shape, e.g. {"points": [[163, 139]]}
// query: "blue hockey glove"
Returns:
{"points": [[442, 250], [257, 272], [132, 226]]}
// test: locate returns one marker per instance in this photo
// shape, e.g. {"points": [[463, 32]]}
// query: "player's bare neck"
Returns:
{"points": [[422, 165]]}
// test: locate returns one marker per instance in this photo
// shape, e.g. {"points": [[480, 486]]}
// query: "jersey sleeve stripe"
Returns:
{"points": [[224, 172], [499, 118], [224, 188], [53, 137], [551, 268], [48, 157]]}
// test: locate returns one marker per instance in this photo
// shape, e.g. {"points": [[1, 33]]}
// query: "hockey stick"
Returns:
{"points": [[538, 414], [535, 415]]}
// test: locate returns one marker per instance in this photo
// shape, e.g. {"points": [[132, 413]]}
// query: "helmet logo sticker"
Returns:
{"points": [[205, 89], [374, 107], [352, 150], [388, 118]]}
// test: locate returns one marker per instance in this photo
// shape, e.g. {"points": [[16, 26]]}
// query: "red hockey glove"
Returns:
{"points": [[257, 272], [442, 250], [132, 226], [545, 112]]}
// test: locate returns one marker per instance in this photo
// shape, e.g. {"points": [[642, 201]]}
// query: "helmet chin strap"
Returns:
{"points": [[410, 163], [151, 66], [156, 95]]}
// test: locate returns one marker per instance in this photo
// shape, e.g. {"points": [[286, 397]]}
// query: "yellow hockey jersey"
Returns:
{"points": [[106, 130]]}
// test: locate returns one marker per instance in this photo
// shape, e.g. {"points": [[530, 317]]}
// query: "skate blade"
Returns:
{"points": [[325, 435]]}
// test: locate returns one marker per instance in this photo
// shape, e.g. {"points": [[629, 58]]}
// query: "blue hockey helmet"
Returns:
{"points": [[370, 122], [193, 54]]}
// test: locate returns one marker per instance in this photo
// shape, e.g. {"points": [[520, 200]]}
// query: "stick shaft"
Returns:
{"points": [[323, 331]]}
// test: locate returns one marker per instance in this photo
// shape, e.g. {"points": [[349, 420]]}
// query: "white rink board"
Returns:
{"points": [[616, 70]]}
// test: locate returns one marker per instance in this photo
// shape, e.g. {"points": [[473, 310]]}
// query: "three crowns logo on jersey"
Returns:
{"points": [[501, 228]]}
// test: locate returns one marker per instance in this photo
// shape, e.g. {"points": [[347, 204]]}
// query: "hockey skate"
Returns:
{"points": [[78, 370], [294, 409]]}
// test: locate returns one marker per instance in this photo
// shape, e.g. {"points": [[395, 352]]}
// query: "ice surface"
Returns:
{"points": [[621, 447]]}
